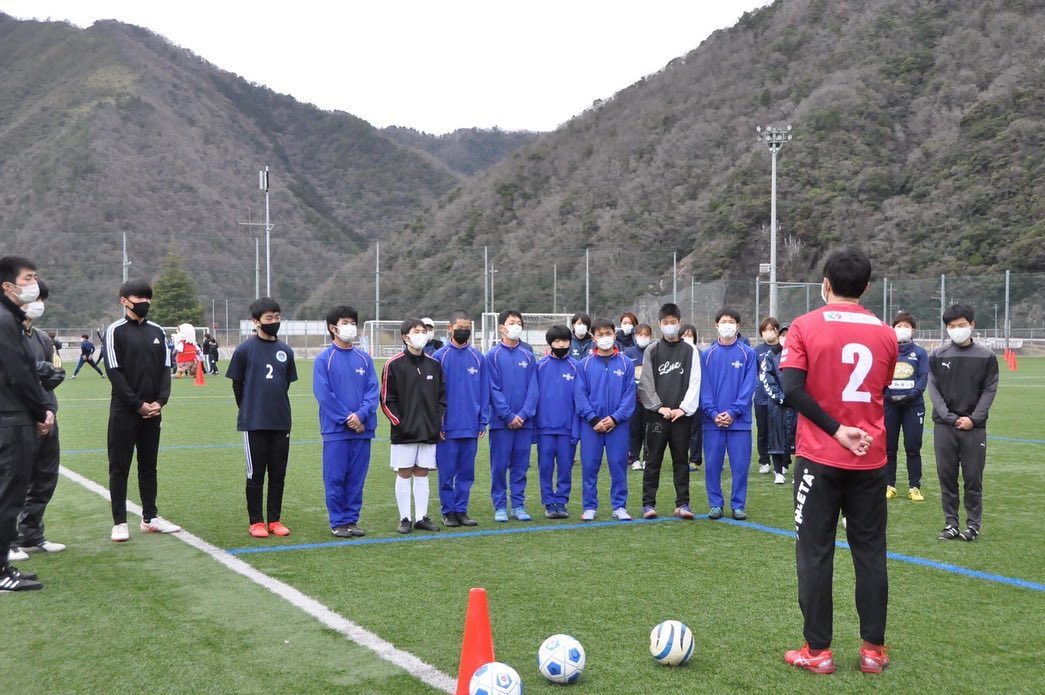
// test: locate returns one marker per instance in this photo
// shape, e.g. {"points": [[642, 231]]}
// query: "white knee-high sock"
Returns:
{"points": [[421, 496], [403, 496]]}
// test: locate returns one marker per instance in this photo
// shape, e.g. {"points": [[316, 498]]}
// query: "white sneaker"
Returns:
{"points": [[778, 479], [16, 555], [638, 465], [120, 534], [765, 468], [588, 515], [621, 514], [159, 525], [45, 547]]}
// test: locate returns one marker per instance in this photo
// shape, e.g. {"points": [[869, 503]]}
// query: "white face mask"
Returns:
{"points": [[34, 310], [347, 332], [823, 293], [430, 335], [642, 341], [903, 335], [418, 340], [689, 340], [783, 340], [769, 336], [28, 294], [960, 335], [513, 331], [605, 342], [727, 330], [670, 330], [627, 328], [580, 330]]}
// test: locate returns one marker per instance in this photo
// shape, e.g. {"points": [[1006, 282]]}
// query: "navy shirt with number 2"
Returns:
{"points": [[266, 368]]}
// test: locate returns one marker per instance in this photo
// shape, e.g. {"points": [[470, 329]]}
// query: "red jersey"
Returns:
{"points": [[848, 355]]}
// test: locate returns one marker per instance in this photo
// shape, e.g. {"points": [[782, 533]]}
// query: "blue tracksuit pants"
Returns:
{"points": [[716, 445], [456, 461], [555, 454], [509, 458], [615, 444], [345, 465]]}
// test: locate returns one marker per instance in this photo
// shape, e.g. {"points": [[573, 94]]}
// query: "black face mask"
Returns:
{"points": [[560, 352], [140, 309], [269, 329], [461, 335]]}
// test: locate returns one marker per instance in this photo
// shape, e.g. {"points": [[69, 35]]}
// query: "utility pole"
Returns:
{"points": [[493, 271], [587, 280], [486, 279], [226, 322], [774, 137], [263, 183], [257, 268], [555, 288], [377, 281], [126, 263], [263, 178], [675, 277]]}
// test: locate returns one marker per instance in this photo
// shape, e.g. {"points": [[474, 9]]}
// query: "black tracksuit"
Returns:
{"points": [[413, 397], [138, 364]]}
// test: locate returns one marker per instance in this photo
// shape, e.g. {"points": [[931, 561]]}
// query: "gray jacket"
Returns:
{"points": [[962, 383]]}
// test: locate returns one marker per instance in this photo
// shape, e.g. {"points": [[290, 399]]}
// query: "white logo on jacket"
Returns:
{"points": [[736, 364], [524, 364], [281, 356], [668, 367], [473, 370], [567, 377], [360, 371]]}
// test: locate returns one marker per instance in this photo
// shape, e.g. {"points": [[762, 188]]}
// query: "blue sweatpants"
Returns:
{"points": [[509, 457], [717, 443], [345, 465], [593, 444], [455, 459], [555, 454]]}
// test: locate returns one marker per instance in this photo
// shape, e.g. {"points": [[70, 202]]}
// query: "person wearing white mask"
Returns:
{"points": [[730, 372], [413, 398], [637, 425], [581, 343], [626, 333], [963, 380], [344, 382], [905, 408]]}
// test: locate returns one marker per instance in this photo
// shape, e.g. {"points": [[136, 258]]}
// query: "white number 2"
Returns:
{"points": [[269, 367], [861, 356]]}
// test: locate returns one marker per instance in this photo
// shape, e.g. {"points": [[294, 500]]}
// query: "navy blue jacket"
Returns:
{"points": [[581, 347], [760, 352], [910, 377], [781, 421]]}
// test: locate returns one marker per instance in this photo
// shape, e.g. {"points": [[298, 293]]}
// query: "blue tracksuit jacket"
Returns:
{"points": [[467, 390], [513, 385], [728, 384], [607, 387], [345, 382], [556, 383]]}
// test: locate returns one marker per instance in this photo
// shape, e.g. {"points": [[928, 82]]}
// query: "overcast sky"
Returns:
{"points": [[434, 65]]}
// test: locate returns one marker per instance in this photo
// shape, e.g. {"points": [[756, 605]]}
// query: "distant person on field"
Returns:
{"points": [[963, 380], [87, 356], [905, 408], [626, 333], [413, 398], [205, 350], [688, 334], [433, 343], [513, 404], [139, 364], [605, 400], [727, 385], [781, 420], [581, 343], [637, 424], [467, 378], [212, 355], [556, 423], [57, 359], [344, 383], [670, 393], [769, 329], [262, 369]]}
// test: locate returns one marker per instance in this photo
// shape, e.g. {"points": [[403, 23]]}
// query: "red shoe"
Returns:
{"points": [[258, 530], [873, 660], [278, 529], [822, 663]]}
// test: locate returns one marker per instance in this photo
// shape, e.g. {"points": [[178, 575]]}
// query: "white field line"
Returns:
{"points": [[386, 650]]}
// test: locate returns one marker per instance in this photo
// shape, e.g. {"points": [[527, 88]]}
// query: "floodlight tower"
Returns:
{"points": [[774, 136]]}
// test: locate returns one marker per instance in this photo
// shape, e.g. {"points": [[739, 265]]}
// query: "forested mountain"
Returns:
{"points": [[466, 150], [919, 133]]}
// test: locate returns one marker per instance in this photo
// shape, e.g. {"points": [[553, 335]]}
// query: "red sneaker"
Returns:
{"points": [[277, 528], [822, 663], [873, 660], [258, 530]]}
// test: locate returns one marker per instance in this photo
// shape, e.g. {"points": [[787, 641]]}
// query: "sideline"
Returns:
{"points": [[386, 650]]}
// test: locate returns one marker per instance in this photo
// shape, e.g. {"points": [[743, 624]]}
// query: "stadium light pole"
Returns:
{"points": [[587, 279], [774, 137], [127, 263], [263, 184]]}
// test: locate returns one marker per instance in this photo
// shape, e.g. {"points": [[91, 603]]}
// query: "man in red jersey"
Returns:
{"points": [[837, 362]]}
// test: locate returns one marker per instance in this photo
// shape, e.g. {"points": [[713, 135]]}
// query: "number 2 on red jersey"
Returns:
{"points": [[860, 355]]}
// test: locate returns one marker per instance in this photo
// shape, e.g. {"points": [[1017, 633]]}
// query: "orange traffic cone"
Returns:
{"points": [[1015, 367], [199, 374], [477, 646]]}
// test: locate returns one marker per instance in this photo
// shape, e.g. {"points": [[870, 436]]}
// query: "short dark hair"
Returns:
{"points": [[582, 318], [603, 324], [85, 336], [459, 314], [12, 266], [137, 288], [507, 314], [688, 328], [45, 292], [262, 306], [410, 324], [644, 328], [959, 311], [341, 311], [629, 315], [726, 311], [557, 332], [669, 309], [768, 322], [848, 271], [904, 317]]}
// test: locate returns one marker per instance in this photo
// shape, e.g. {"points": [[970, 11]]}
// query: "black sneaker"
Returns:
{"points": [[466, 520], [451, 520], [949, 533], [342, 531], [20, 574], [13, 580], [405, 526], [425, 524], [356, 531], [969, 534]]}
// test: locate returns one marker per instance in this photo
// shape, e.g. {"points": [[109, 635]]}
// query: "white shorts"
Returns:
{"points": [[410, 455]]}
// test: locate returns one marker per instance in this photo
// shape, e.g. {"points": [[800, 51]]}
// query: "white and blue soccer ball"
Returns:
{"points": [[561, 659], [671, 643], [495, 678]]}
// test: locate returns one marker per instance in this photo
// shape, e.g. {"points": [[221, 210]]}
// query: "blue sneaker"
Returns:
{"points": [[739, 514], [715, 513], [520, 514], [500, 515]]}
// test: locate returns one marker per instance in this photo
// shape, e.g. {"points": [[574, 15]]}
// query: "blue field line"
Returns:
{"points": [[1017, 440]]}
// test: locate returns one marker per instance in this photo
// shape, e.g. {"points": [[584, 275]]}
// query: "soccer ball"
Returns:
{"points": [[671, 643], [561, 659], [495, 678]]}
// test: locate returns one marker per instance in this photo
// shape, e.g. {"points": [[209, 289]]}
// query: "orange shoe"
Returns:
{"points": [[258, 530], [873, 660], [822, 663], [277, 528]]}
